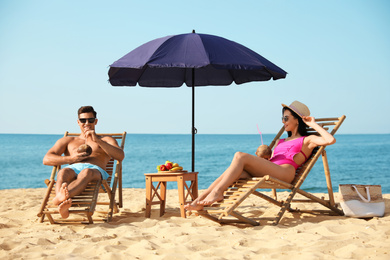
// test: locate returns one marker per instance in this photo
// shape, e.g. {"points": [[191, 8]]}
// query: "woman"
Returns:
{"points": [[288, 155]]}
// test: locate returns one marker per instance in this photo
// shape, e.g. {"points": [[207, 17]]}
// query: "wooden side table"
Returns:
{"points": [[162, 178]]}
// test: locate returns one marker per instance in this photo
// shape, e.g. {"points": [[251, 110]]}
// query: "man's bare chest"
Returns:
{"points": [[75, 144]]}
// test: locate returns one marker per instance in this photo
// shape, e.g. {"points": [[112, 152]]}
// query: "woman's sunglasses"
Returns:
{"points": [[84, 120], [285, 118]]}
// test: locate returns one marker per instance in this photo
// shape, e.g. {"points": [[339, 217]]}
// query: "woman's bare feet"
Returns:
{"points": [[62, 195], [193, 206], [63, 208], [209, 200], [214, 196]]}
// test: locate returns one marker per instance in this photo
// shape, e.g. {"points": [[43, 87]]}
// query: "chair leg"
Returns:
{"points": [[244, 219], [90, 220], [285, 206], [328, 179], [120, 191], [50, 185], [50, 219], [42, 218], [274, 194], [113, 207]]}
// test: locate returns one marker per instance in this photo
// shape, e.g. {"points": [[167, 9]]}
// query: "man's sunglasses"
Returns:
{"points": [[84, 120], [285, 118]]}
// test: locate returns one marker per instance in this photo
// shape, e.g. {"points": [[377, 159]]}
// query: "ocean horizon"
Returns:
{"points": [[353, 159]]}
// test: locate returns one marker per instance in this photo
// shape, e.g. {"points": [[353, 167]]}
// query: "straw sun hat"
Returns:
{"points": [[299, 108]]}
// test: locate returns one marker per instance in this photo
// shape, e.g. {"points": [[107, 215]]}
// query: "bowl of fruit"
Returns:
{"points": [[169, 167]]}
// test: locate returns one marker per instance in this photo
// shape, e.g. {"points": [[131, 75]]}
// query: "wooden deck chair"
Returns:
{"points": [[102, 192], [225, 212]]}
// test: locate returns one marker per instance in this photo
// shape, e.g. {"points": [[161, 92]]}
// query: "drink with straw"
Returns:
{"points": [[263, 151]]}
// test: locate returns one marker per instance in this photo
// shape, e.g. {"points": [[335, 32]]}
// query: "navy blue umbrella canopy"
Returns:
{"points": [[168, 62], [193, 59]]}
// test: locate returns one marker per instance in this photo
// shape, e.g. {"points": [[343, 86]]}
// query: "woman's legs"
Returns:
{"points": [[242, 164], [231, 174]]}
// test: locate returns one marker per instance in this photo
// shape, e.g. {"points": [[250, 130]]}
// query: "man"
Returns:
{"points": [[83, 168]]}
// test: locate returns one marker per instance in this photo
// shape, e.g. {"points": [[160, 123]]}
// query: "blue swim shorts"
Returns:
{"points": [[78, 167]]}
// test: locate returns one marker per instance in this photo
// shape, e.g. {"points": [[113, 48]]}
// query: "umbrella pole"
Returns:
{"points": [[193, 121]]}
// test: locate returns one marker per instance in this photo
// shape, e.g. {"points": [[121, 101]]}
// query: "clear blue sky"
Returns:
{"points": [[54, 58]]}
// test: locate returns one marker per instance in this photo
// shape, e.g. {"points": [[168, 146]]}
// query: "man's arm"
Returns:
{"points": [[108, 144], [54, 156], [111, 147]]}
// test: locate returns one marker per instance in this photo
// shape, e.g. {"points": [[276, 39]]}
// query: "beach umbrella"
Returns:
{"points": [[194, 59]]}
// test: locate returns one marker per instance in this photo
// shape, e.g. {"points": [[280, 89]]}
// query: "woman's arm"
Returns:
{"points": [[325, 138]]}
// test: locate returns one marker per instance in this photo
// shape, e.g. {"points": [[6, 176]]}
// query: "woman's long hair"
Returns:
{"points": [[302, 127]]}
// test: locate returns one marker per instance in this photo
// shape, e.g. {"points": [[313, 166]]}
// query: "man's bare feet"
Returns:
{"points": [[63, 208], [62, 195], [211, 198]]}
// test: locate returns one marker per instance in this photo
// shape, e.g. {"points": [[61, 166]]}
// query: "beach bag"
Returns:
{"points": [[362, 201]]}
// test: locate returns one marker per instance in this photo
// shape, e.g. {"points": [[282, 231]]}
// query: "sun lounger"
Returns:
{"points": [[226, 211], [97, 193]]}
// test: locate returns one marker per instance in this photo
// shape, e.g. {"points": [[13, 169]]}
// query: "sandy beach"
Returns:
{"points": [[132, 236]]}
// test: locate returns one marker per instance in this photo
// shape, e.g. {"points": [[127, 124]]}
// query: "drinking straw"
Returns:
{"points": [[261, 136]]}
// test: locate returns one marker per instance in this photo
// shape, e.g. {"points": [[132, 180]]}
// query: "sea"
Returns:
{"points": [[353, 159]]}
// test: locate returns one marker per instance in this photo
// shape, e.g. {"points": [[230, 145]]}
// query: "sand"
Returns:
{"points": [[132, 236]]}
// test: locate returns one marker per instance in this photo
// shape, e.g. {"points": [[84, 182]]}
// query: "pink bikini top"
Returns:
{"points": [[285, 151]]}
